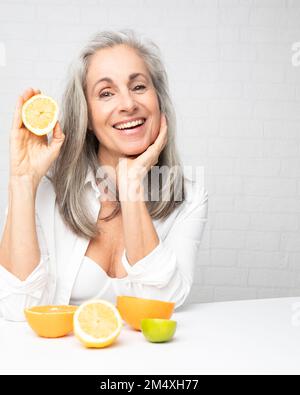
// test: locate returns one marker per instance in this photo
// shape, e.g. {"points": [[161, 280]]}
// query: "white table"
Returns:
{"points": [[245, 337]]}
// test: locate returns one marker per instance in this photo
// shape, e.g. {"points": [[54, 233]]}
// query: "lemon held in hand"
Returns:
{"points": [[158, 330], [40, 114]]}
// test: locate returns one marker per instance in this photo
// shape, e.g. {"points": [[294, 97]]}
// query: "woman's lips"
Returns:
{"points": [[131, 132]]}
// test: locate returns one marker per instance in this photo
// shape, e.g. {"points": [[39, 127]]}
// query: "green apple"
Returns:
{"points": [[157, 330]]}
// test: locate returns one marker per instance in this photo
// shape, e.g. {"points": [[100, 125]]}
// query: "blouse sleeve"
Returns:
{"points": [[167, 272], [16, 295]]}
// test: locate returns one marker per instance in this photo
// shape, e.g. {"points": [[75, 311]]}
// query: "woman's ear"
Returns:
{"points": [[89, 128]]}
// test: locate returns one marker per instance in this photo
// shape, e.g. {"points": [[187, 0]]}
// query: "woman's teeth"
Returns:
{"points": [[130, 125]]}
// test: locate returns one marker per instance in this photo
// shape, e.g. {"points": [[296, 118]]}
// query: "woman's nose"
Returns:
{"points": [[127, 102]]}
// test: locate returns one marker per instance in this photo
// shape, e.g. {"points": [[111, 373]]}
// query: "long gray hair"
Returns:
{"points": [[80, 148]]}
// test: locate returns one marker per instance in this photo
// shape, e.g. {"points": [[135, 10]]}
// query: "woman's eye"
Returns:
{"points": [[140, 86], [103, 94], [107, 93]]}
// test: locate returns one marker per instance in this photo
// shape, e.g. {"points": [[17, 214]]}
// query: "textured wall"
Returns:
{"points": [[237, 96]]}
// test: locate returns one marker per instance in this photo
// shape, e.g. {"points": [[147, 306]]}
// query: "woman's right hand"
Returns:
{"points": [[31, 155]]}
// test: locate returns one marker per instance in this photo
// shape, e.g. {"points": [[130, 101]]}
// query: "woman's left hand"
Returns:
{"points": [[136, 169]]}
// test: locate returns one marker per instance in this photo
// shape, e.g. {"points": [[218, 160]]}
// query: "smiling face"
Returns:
{"points": [[126, 92]]}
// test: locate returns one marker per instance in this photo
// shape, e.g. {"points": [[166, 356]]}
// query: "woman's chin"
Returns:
{"points": [[136, 150]]}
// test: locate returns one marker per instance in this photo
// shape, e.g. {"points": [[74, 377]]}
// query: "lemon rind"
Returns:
{"points": [[40, 132], [89, 340]]}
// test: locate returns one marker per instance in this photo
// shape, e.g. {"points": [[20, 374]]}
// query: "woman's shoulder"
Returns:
{"points": [[45, 183], [45, 193], [195, 192], [196, 199]]}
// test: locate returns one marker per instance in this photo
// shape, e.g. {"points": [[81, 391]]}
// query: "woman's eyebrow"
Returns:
{"points": [[130, 78]]}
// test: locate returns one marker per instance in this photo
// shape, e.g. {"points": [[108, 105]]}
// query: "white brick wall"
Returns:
{"points": [[237, 100]]}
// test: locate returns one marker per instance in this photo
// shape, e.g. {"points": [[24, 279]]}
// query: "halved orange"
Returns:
{"points": [[97, 323], [133, 309], [51, 321], [40, 114]]}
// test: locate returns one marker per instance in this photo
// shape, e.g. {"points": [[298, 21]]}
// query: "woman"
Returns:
{"points": [[74, 231]]}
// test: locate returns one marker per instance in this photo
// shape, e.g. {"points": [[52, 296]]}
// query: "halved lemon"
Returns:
{"points": [[97, 323], [40, 114]]}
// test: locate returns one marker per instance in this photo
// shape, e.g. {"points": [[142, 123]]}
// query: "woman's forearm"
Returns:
{"points": [[19, 249], [139, 232]]}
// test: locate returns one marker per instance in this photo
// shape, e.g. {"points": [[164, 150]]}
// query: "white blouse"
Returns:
{"points": [[92, 282], [64, 275]]}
